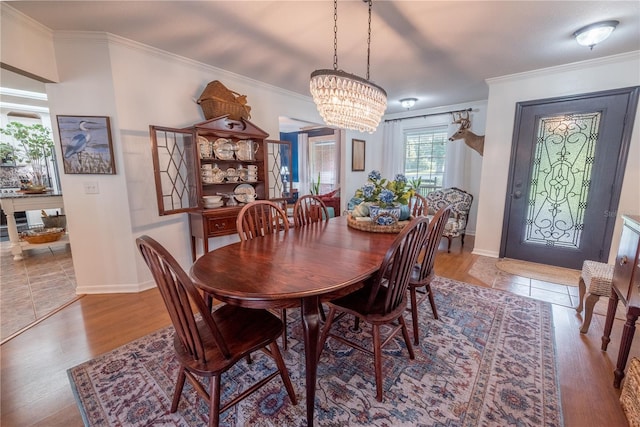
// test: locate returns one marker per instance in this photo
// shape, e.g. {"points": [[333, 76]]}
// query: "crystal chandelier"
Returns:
{"points": [[345, 100]]}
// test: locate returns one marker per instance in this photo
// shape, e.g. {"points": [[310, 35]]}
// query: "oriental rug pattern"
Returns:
{"points": [[488, 361]]}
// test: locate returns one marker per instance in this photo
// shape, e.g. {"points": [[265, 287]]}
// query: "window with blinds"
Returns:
{"points": [[322, 162], [425, 152]]}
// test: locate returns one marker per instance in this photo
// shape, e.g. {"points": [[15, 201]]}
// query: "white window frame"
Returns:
{"points": [[429, 145]]}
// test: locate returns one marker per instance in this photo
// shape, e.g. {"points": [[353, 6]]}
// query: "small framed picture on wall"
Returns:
{"points": [[86, 145], [357, 154]]}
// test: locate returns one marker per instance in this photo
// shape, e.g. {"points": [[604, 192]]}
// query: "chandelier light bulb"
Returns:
{"points": [[345, 100]]}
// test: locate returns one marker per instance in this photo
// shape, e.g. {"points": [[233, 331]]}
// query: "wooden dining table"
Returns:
{"points": [[297, 268]]}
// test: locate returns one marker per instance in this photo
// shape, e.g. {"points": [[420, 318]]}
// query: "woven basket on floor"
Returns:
{"points": [[630, 396], [42, 235]]}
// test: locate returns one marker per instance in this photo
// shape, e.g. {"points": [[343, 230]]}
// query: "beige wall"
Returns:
{"points": [[136, 86]]}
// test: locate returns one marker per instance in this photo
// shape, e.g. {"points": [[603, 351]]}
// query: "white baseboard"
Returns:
{"points": [[116, 289]]}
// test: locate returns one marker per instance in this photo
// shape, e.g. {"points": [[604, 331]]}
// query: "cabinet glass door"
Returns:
{"points": [[279, 169], [176, 170]]}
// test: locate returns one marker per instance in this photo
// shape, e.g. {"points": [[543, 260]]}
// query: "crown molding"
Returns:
{"points": [[573, 66], [110, 38]]}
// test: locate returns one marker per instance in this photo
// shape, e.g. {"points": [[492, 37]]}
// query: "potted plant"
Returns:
{"points": [[35, 147], [7, 153]]}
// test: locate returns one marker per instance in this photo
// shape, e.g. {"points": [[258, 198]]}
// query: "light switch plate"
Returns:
{"points": [[91, 188]]}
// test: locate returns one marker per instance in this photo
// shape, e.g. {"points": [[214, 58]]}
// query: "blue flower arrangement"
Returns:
{"points": [[384, 193]]}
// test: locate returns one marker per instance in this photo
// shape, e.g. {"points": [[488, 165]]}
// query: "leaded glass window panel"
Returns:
{"points": [[176, 183], [560, 179]]}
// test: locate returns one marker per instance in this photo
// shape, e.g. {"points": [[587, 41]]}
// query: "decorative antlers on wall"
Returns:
{"points": [[474, 141]]}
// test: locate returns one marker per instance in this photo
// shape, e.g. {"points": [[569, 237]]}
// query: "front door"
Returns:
{"points": [[566, 171]]}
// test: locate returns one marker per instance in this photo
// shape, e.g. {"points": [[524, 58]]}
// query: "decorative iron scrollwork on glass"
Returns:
{"points": [[560, 179]]}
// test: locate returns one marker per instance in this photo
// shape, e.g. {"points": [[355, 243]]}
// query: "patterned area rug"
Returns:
{"points": [[489, 360]]}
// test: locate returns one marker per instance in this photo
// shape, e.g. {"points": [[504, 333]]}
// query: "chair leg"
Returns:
{"points": [[414, 314], [582, 289], [283, 317], [356, 324], [377, 356], [178, 391], [448, 244], [208, 298], [326, 330], [462, 239], [432, 301], [591, 301], [284, 374], [214, 401], [407, 340]]}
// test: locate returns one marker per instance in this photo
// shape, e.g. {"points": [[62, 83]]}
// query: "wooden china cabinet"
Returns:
{"points": [[182, 159]]}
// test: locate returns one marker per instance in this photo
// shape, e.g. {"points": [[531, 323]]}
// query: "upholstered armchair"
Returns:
{"points": [[332, 200], [460, 202]]}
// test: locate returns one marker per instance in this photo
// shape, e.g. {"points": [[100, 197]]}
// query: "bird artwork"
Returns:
{"points": [[79, 142], [86, 144]]}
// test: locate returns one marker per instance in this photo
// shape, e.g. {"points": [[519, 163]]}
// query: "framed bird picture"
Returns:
{"points": [[86, 145]]}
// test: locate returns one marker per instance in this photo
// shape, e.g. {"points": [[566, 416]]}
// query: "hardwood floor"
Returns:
{"points": [[35, 390]]}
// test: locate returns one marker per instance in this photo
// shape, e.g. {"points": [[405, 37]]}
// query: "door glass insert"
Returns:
{"points": [[560, 179]]}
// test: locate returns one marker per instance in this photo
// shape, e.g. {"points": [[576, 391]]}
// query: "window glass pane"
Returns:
{"points": [[425, 155], [322, 160]]}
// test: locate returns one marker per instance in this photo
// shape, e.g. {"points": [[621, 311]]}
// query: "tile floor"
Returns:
{"points": [[485, 270], [33, 287]]}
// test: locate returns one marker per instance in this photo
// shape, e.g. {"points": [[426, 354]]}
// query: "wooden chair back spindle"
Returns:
{"points": [[309, 209], [260, 218]]}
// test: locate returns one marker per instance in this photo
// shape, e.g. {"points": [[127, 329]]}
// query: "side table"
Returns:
{"points": [[12, 203], [626, 287]]}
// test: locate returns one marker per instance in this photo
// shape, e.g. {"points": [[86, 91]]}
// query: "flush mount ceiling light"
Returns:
{"points": [[346, 100], [595, 33], [408, 102]]}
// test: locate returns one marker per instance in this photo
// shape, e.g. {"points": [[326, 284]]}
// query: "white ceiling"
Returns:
{"points": [[440, 52]]}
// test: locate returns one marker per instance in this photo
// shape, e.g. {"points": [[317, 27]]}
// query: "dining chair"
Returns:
{"points": [[257, 219], [423, 273], [382, 300], [418, 205], [206, 343], [309, 209]]}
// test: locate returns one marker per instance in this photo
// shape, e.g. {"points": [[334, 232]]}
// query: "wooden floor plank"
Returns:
{"points": [[35, 390]]}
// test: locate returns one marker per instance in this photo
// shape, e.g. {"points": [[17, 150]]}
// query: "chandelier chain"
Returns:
{"points": [[369, 39], [346, 100], [335, 34]]}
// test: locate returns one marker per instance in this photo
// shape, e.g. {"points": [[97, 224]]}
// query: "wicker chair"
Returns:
{"points": [[383, 300], [460, 202], [212, 344], [597, 277]]}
